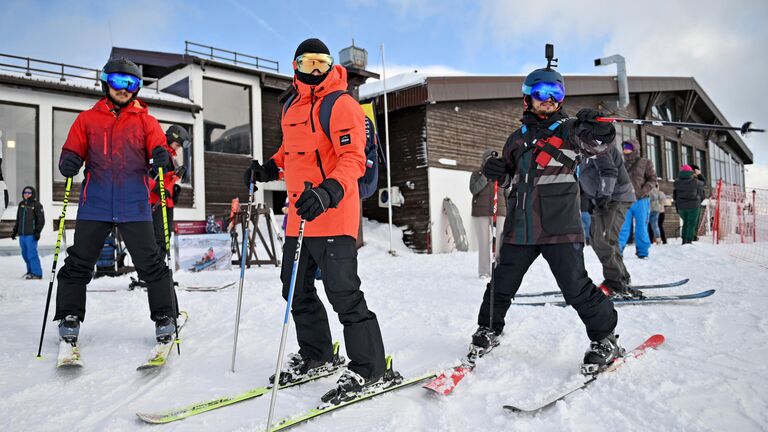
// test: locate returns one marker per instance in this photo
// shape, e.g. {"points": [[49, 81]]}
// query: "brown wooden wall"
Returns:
{"points": [[461, 131], [409, 164], [271, 109], [224, 181]]}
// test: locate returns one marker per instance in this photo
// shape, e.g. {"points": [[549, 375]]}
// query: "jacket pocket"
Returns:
{"points": [[559, 207]]}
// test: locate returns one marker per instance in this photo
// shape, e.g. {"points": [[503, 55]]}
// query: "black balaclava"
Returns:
{"points": [[311, 46]]}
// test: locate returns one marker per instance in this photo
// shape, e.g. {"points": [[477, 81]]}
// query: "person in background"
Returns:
{"points": [[662, 212], [655, 228], [4, 198], [482, 215], [30, 221], [688, 195], [698, 175], [586, 218], [177, 138], [643, 177], [605, 182]]}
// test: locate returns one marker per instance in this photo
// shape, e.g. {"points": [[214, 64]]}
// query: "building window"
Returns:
{"points": [[653, 153], [701, 161], [62, 123], [184, 157], [18, 135], [721, 164], [670, 155], [686, 155], [227, 113]]}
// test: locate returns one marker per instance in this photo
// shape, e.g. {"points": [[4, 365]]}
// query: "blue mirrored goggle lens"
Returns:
{"points": [[121, 81], [543, 91]]}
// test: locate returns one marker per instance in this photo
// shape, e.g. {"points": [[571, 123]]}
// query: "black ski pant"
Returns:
{"points": [[566, 261], [604, 232], [82, 255], [157, 223], [337, 258]]}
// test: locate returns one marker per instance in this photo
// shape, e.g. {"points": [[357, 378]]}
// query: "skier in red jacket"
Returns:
{"points": [[115, 139]]}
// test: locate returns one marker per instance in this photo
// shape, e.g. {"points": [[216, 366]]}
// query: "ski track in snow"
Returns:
{"points": [[710, 375]]}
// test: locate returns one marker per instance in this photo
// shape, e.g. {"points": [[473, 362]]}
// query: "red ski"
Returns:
{"points": [[652, 342], [447, 381]]}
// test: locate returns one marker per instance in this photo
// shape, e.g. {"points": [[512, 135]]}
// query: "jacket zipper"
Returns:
{"points": [[312, 108], [85, 188], [105, 143], [23, 219]]}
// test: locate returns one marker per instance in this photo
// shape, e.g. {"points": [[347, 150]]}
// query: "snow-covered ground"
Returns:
{"points": [[711, 374]]}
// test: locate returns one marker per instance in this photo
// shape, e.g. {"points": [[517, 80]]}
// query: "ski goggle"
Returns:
{"points": [[121, 81], [306, 63], [544, 91]]}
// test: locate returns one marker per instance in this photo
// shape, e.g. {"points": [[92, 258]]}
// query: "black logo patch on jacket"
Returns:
{"points": [[345, 139]]}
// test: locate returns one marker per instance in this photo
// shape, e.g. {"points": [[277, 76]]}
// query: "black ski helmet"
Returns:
{"points": [[122, 65], [541, 75], [176, 133]]}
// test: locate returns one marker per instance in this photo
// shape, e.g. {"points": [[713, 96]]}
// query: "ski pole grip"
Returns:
{"points": [[604, 119]]}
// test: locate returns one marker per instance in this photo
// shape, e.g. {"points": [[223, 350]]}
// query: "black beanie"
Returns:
{"points": [[311, 46]]}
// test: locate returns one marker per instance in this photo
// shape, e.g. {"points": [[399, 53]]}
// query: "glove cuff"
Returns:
{"points": [[335, 191]]}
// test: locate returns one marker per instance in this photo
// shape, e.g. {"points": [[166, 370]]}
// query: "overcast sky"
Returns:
{"points": [[722, 44]]}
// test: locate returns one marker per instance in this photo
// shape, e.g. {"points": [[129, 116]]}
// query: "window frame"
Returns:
{"points": [[250, 115], [36, 107]]}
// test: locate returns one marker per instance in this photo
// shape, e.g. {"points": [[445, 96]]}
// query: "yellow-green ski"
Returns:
{"points": [[162, 351], [199, 408]]}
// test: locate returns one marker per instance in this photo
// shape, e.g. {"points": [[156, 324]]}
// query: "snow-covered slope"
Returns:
{"points": [[711, 374]]}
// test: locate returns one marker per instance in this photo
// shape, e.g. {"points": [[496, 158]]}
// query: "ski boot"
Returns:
{"points": [[31, 276], [300, 369], [165, 328], [601, 354], [69, 329], [483, 341], [620, 291], [351, 385]]}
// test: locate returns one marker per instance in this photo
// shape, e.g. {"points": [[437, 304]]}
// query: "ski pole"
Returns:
{"points": [[164, 209], [286, 319], [251, 191], [55, 262], [744, 129], [493, 247]]}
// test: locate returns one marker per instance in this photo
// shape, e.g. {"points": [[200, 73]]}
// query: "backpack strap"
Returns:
{"points": [[326, 107], [288, 102]]}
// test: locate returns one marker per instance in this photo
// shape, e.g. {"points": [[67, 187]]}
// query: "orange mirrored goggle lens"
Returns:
{"points": [[306, 63]]}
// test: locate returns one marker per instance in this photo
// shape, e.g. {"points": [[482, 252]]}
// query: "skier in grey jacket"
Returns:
{"points": [[605, 182]]}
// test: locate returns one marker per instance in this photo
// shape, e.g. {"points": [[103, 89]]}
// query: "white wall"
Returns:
{"points": [[453, 184]]}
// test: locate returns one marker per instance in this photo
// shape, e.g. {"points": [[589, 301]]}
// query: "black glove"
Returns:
{"points": [[313, 202], [37, 236], [494, 169], [180, 172], [602, 131], [14, 233], [176, 192], [160, 158], [601, 203], [69, 163], [261, 173]]}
